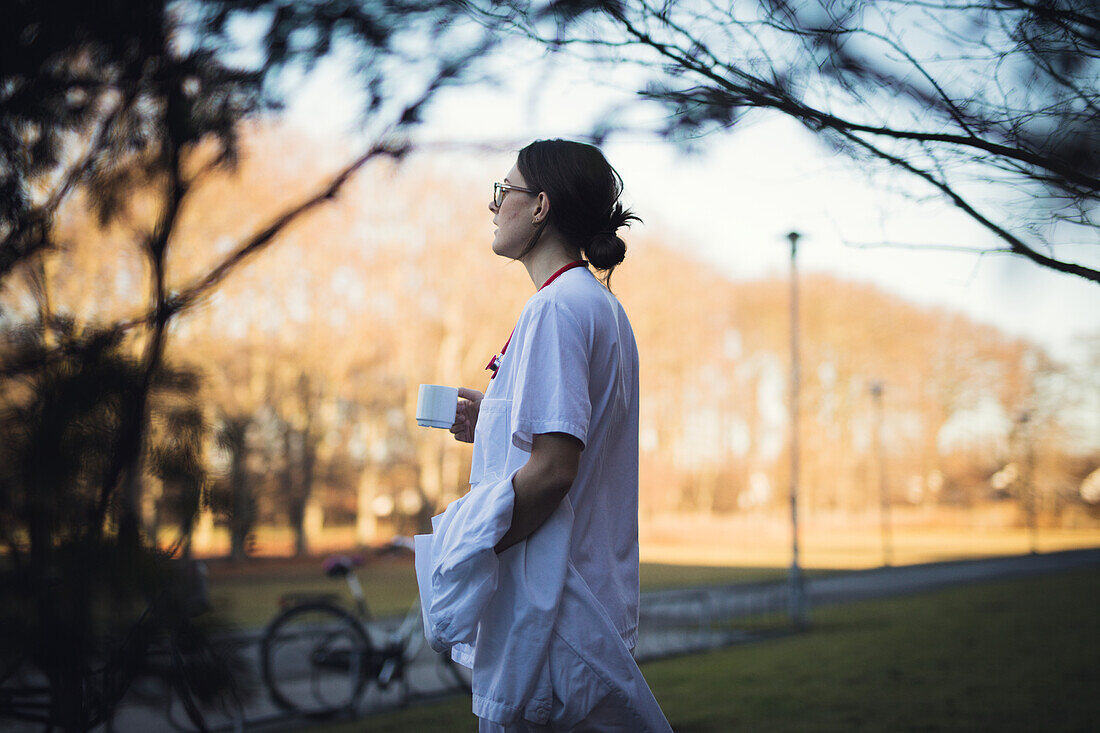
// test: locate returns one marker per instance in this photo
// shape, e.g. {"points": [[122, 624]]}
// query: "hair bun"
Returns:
{"points": [[607, 249]]}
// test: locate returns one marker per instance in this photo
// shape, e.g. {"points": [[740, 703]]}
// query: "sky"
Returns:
{"points": [[732, 202]]}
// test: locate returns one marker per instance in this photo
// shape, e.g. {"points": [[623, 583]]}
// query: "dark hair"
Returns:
{"points": [[584, 195]]}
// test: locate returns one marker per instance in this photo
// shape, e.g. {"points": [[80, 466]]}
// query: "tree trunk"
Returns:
{"points": [[242, 515], [366, 523]]}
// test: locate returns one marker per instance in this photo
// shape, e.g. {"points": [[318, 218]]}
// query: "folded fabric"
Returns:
{"points": [[541, 646], [503, 605], [457, 565], [511, 678]]}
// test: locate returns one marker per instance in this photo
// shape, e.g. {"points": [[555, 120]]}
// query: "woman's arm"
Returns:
{"points": [[542, 483]]}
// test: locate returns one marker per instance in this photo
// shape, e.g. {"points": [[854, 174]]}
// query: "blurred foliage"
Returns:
{"points": [[129, 105], [83, 606], [80, 626]]}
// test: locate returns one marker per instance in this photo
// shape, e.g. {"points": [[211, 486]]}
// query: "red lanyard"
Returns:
{"points": [[494, 363]]}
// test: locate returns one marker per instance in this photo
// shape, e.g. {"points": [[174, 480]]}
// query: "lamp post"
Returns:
{"points": [[797, 600], [883, 489], [1028, 495]]}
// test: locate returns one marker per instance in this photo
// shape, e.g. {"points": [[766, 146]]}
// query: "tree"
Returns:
{"points": [[133, 104], [995, 105]]}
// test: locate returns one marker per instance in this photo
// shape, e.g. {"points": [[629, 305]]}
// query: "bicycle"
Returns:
{"points": [[317, 658]]}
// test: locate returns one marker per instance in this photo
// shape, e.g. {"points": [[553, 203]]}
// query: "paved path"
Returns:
{"points": [[685, 620]]}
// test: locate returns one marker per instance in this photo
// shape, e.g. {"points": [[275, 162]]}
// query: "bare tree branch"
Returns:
{"points": [[1016, 245], [979, 114], [193, 293], [962, 249]]}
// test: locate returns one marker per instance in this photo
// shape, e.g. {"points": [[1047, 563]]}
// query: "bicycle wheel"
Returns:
{"points": [[316, 659]]}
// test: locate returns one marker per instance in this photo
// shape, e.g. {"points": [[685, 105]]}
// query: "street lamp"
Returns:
{"points": [[884, 491], [1028, 495], [797, 600]]}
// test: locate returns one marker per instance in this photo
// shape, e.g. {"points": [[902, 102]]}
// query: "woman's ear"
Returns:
{"points": [[542, 209]]}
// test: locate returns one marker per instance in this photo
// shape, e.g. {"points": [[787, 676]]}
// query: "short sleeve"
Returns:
{"points": [[550, 387]]}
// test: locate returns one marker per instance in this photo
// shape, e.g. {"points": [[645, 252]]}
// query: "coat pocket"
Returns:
{"points": [[492, 441]]}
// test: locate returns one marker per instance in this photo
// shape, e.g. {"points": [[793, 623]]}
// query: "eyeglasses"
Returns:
{"points": [[500, 188]]}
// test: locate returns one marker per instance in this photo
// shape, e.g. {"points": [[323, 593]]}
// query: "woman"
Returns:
{"points": [[531, 578]]}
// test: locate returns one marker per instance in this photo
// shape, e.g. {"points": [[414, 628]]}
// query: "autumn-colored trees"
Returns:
{"points": [[310, 358]]}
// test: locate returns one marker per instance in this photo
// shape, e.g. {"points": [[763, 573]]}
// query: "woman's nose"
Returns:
{"points": [[493, 206]]}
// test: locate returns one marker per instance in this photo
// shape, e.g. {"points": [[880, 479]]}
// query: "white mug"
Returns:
{"points": [[436, 406]]}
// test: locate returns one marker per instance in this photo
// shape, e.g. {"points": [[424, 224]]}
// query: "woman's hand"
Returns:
{"points": [[469, 402]]}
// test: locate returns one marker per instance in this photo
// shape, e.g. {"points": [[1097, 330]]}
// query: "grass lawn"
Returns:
{"points": [[1007, 656], [248, 595]]}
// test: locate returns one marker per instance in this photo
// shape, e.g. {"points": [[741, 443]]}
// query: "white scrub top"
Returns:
{"points": [[572, 367], [548, 625]]}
